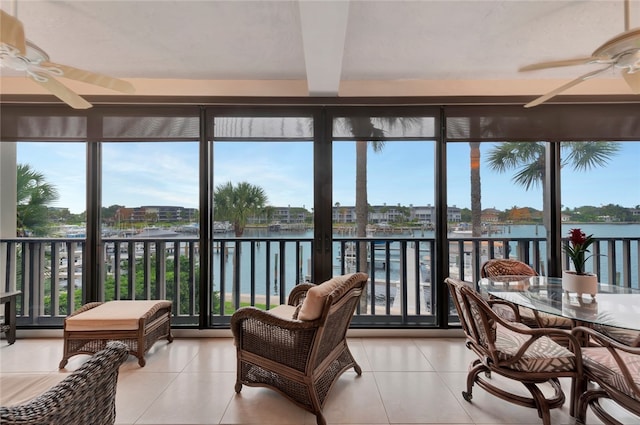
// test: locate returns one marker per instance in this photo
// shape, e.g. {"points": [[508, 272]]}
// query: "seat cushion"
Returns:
{"points": [[315, 298], [544, 355], [112, 316], [284, 311], [599, 362], [623, 336]]}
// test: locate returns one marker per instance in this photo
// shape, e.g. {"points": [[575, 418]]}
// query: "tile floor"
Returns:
{"points": [[191, 381]]}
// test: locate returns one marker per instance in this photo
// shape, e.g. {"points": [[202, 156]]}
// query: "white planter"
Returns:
{"points": [[580, 284]]}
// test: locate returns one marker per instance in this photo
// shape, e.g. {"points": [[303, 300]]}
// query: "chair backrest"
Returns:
{"points": [[85, 397], [478, 325], [339, 308], [506, 267]]}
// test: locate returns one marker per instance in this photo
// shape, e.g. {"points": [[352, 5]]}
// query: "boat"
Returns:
{"points": [[222, 227], [156, 232], [275, 226]]}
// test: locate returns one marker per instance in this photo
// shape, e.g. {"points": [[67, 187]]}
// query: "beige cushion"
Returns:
{"points": [[543, 355], [314, 300], [18, 388], [113, 316], [600, 363], [284, 311]]}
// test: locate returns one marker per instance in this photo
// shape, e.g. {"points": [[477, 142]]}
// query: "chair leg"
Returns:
{"points": [[592, 398], [475, 368], [541, 403], [320, 420]]}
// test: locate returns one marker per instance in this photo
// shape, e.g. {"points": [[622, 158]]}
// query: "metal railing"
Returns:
{"points": [[262, 271]]}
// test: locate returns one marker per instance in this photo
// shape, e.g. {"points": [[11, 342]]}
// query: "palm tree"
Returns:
{"points": [[476, 204], [33, 196], [237, 203], [528, 159]]}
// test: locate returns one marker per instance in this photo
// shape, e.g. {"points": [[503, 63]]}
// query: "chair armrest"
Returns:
{"points": [[298, 292], [582, 333], [285, 341], [511, 306], [256, 321], [537, 333], [85, 396], [617, 372]]}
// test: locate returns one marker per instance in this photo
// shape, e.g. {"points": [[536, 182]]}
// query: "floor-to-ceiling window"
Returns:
{"points": [[600, 195], [149, 222], [495, 195], [262, 205], [51, 204], [383, 212], [139, 171]]}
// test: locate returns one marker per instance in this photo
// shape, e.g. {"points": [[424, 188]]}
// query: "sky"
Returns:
{"points": [[166, 173]]}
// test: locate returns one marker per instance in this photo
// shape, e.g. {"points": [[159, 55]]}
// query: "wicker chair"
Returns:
{"points": [[515, 351], [615, 368], [299, 357], [85, 397], [510, 267]]}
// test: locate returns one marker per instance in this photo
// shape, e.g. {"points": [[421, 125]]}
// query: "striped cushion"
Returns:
{"points": [[485, 334], [624, 336], [505, 312], [544, 355], [600, 363]]}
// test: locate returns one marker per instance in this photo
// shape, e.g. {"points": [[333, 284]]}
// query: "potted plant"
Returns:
{"points": [[579, 280]]}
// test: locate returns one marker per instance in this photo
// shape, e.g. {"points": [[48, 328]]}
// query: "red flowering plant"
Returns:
{"points": [[577, 248]]}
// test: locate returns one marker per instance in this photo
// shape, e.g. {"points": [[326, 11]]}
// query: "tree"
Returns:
{"points": [[476, 204], [33, 196], [363, 129], [237, 203], [528, 159]]}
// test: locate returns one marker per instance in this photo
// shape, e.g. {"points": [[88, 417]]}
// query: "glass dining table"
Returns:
{"points": [[614, 306]]}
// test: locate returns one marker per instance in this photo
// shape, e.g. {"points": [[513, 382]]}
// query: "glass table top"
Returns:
{"points": [[612, 306]]}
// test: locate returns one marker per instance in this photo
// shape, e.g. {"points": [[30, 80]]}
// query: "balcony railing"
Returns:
{"points": [[262, 271]]}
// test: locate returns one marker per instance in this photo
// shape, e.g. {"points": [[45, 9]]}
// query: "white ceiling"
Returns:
{"points": [[324, 48]]}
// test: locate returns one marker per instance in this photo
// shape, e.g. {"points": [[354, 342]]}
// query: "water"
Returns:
{"points": [[270, 281]]}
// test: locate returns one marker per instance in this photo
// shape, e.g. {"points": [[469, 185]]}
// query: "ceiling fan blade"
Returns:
{"points": [[633, 80], [92, 78], [564, 87], [63, 93], [12, 32], [557, 64]]}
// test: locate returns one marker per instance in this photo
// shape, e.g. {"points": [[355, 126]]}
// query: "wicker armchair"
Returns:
{"points": [[85, 397], [517, 352], [301, 359], [615, 368], [510, 267]]}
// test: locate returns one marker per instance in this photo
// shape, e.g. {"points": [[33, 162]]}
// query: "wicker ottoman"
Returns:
{"points": [[138, 324]]}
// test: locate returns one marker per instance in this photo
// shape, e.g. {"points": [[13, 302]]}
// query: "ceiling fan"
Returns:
{"points": [[19, 54], [621, 52]]}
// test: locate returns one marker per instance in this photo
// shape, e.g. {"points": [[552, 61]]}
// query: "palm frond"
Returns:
{"points": [[584, 156]]}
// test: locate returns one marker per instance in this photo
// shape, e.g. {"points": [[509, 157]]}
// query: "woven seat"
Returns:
{"points": [[615, 368], [517, 352], [85, 397], [302, 355], [510, 267]]}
